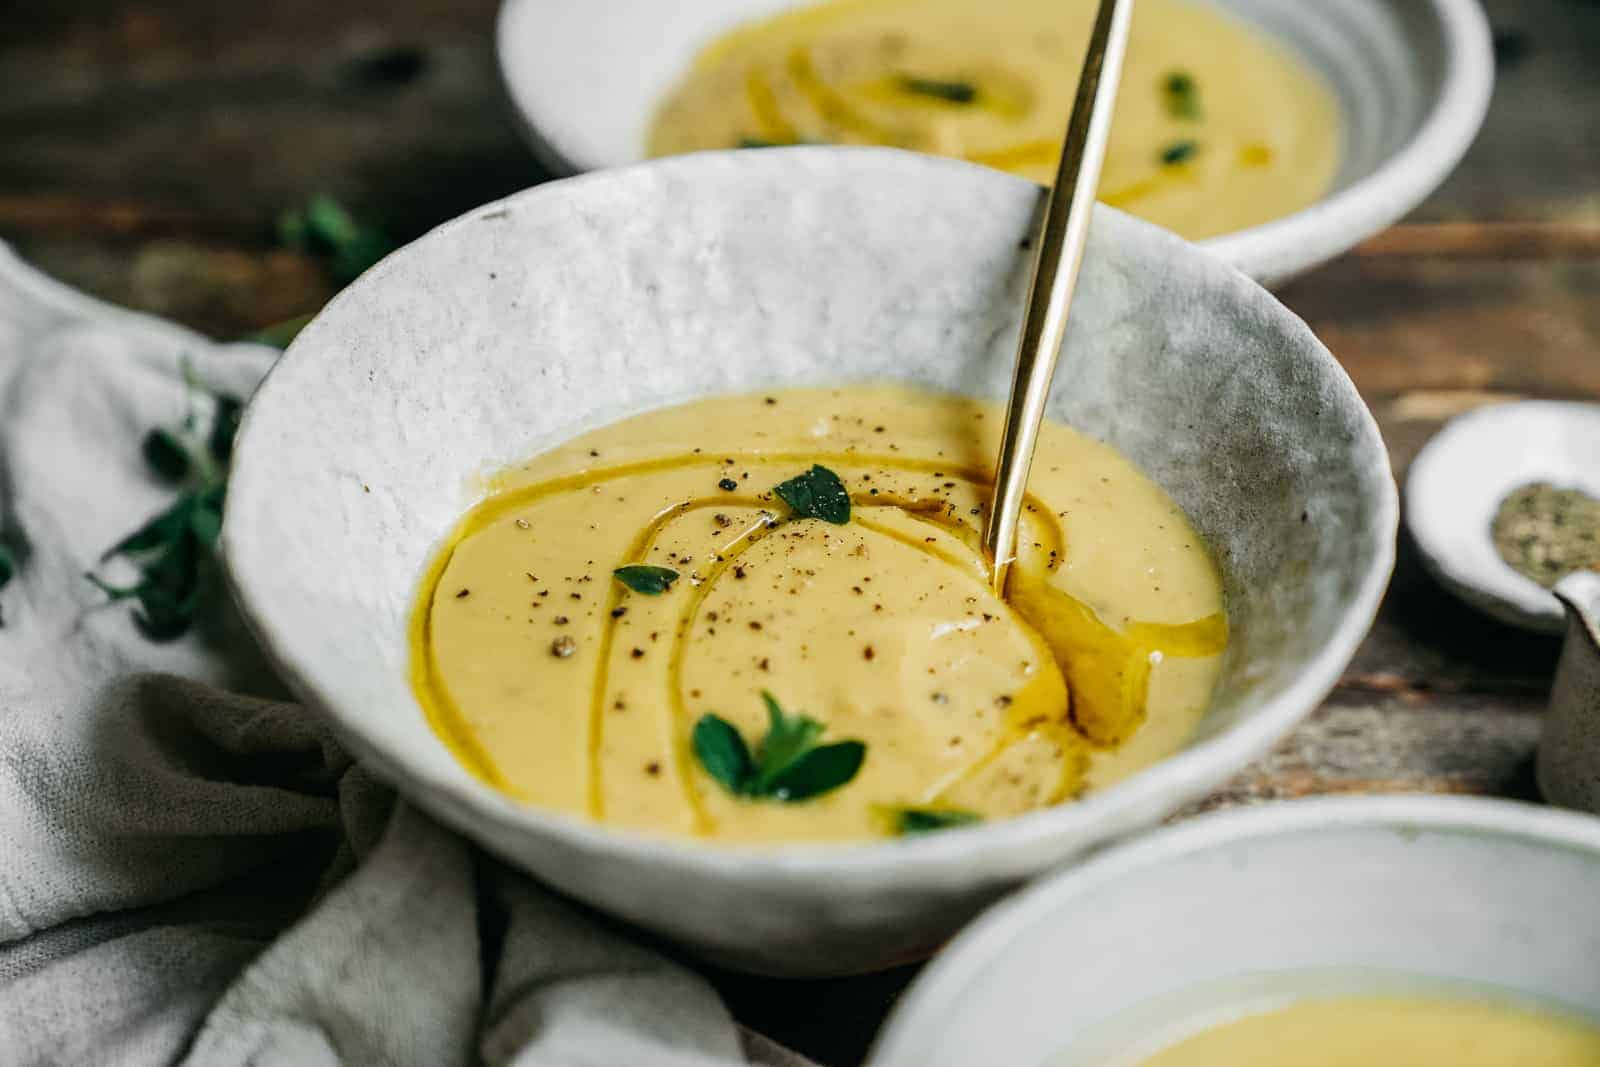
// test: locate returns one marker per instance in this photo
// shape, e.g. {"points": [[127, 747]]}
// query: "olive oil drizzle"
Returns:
{"points": [[1019, 718], [678, 705], [1201, 637]]}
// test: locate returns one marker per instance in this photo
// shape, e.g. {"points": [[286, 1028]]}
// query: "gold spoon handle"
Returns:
{"points": [[1055, 274]]}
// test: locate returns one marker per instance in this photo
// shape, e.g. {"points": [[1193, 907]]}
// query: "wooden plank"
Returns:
{"points": [[1404, 324], [1484, 240]]}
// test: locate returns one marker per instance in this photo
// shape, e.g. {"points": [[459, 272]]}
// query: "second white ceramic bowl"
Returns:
{"points": [[1412, 77], [1248, 909], [579, 302]]}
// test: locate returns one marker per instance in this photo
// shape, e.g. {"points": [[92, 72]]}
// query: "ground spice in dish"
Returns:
{"points": [[1545, 533]]}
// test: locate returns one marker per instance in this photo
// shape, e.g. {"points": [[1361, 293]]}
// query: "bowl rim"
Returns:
{"points": [[1532, 608], [989, 936], [1403, 180], [1127, 805], [1270, 251]]}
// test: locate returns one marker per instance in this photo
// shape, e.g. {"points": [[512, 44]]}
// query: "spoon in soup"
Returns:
{"points": [[1059, 242]]}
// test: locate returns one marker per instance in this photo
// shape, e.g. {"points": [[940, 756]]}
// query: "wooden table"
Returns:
{"points": [[145, 149]]}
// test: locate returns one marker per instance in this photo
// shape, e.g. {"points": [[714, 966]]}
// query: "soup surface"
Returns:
{"points": [[1216, 128], [823, 548], [1395, 1031]]}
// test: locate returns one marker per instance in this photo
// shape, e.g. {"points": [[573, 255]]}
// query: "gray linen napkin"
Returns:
{"points": [[190, 868]]}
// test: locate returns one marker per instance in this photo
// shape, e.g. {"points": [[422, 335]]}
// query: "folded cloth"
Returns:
{"points": [[190, 867]]}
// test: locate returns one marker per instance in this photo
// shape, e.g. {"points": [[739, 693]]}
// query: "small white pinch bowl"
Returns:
{"points": [[578, 302], [1460, 477], [1412, 77], [1243, 911]]}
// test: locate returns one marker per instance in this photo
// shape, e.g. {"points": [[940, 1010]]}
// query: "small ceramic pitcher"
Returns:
{"points": [[1569, 750]]}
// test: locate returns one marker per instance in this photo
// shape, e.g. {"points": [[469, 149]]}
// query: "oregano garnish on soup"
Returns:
{"points": [[1179, 152], [910, 821], [788, 765], [1182, 95], [951, 92], [816, 494], [643, 578]]}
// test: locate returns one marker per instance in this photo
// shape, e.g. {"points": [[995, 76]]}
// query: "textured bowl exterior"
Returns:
{"points": [[579, 302], [1412, 77], [1199, 917]]}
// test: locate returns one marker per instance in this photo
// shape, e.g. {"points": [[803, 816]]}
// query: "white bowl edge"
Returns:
{"points": [[935, 993]]}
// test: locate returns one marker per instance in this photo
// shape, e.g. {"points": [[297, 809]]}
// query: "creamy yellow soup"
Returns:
{"points": [[1398, 1031], [558, 682], [1217, 128]]}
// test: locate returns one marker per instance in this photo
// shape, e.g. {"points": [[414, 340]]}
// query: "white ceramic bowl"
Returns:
{"points": [[1412, 77], [1458, 480], [1229, 909], [578, 302]]}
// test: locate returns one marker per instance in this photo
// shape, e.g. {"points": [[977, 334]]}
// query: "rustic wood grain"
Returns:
{"points": [[147, 147]]}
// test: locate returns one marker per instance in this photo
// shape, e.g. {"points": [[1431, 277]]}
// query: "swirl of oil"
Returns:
{"points": [[1103, 672]]}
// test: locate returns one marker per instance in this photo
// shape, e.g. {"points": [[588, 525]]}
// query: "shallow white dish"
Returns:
{"points": [[1229, 908], [1412, 77], [1458, 480], [578, 302]]}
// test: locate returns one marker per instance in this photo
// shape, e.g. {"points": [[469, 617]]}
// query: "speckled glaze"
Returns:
{"points": [[1569, 747], [578, 302], [1412, 77], [1458, 480], [1241, 906]]}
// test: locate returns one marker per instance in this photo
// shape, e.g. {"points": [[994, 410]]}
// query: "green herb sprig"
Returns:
{"points": [[912, 821], [171, 550], [788, 766], [1179, 152], [326, 229], [641, 578], [951, 92], [816, 494], [1182, 95]]}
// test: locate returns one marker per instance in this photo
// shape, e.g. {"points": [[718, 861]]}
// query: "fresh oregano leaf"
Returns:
{"points": [[817, 494], [788, 738], [789, 765], [821, 770], [327, 222], [722, 752], [951, 92], [326, 229], [1182, 95], [161, 530], [176, 568], [164, 451], [224, 425], [1179, 152], [165, 614], [8, 564], [642, 578], [205, 519], [909, 821]]}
